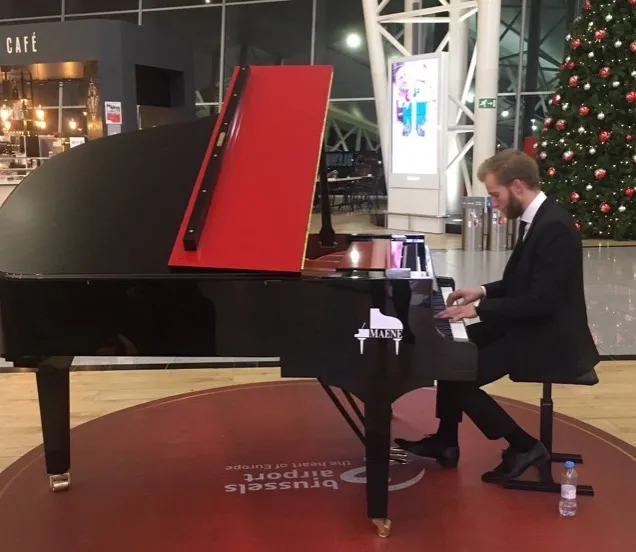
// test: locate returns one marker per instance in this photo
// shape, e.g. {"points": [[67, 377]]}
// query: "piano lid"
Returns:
{"points": [[251, 204], [109, 207]]}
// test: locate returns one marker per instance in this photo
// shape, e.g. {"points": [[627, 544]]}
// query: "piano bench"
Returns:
{"points": [[546, 481]]}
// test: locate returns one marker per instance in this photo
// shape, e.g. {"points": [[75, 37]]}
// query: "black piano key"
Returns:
{"points": [[438, 305]]}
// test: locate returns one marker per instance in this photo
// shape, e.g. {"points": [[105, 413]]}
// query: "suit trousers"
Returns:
{"points": [[455, 398]]}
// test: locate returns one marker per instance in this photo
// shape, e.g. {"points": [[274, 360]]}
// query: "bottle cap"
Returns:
{"points": [[569, 464]]}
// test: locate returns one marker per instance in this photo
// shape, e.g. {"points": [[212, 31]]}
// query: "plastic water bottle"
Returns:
{"points": [[567, 504]]}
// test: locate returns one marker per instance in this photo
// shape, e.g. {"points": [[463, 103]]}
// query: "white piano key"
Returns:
{"points": [[457, 328]]}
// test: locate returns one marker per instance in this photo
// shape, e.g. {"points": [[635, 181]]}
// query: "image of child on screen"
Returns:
{"points": [[403, 99], [414, 89], [412, 92]]}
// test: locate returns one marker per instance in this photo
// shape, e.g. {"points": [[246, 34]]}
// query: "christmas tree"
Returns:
{"points": [[587, 148]]}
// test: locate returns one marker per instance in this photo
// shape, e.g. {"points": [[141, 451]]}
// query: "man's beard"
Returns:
{"points": [[513, 209]]}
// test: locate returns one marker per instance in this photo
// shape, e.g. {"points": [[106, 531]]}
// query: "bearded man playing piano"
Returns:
{"points": [[533, 322]]}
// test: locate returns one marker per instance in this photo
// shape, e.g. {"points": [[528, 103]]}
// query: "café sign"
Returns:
{"points": [[25, 44]]}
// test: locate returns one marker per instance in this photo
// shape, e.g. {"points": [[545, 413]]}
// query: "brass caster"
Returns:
{"points": [[383, 527], [60, 482]]}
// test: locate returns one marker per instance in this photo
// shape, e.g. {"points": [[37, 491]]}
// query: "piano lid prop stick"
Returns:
{"points": [[199, 214]]}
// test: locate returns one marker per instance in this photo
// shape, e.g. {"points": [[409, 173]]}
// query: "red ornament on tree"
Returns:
{"points": [[604, 72], [629, 192], [587, 5], [574, 197], [632, 2], [556, 99], [629, 138], [632, 46], [551, 171], [574, 81], [600, 174], [561, 124], [631, 97], [578, 225], [571, 65], [568, 156], [600, 34], [584, 111], [604, 136], [576, 43], [548, 122], [605, 207]]}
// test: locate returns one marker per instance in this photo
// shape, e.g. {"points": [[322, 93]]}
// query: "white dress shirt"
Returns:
{"points": [[531, 211]]}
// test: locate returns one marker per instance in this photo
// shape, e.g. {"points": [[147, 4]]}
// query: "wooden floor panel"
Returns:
{"points": [[609, 406]]}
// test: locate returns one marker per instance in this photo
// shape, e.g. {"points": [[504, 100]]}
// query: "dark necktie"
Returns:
{"points": [[522, 230]]}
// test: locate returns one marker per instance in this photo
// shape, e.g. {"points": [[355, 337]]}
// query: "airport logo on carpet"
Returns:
{"points": [[299, 476], [381, 326]]}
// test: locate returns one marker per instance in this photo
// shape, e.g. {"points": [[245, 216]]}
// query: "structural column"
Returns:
{"points": [[379, 70], [487, 86], [409, 5], [457, 72]]}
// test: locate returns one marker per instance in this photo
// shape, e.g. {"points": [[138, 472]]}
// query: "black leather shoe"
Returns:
{"points": [[514, 464], [431, 447], [498, 474]]}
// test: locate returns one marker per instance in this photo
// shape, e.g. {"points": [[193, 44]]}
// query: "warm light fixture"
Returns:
{"points": [[72, 124], [354, 40], [39, 113]]}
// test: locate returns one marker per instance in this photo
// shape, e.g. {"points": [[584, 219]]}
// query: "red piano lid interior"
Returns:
{"points": [[261, 206]]}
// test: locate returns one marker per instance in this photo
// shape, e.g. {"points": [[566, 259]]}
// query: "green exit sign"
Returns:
{"points": [[488, 103]]}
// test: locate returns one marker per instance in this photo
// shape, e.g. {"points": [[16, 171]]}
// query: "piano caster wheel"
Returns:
{"points": [[398, 455], [60, 482], [382, 527]]}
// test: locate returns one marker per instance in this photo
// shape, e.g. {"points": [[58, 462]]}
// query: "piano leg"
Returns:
{"points": [[54, 398], [377, 422]]}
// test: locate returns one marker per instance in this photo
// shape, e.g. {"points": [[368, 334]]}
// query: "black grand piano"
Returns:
{"points": [[187, 240]]}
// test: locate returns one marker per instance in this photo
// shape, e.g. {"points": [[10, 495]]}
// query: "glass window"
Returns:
{"points": [[201, 28], [175, 3], [509, 46], [505, 122], [46, 92], [268, 34], [341, 42], [90, 6], [351, 126], [73, 122], [74, 92], [548, 23], [10, 9]]}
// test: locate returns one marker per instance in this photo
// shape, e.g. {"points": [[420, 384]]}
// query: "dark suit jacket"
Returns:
{"points": [[540, 302]]}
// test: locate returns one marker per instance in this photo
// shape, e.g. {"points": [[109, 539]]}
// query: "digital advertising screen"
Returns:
{"points": [[415, 110]]}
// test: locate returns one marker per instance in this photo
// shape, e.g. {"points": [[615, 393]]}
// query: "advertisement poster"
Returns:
{"points": [[113, 113], [414, 116]]}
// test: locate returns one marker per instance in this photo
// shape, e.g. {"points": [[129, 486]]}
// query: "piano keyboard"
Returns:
{"points": [[456, 330]]}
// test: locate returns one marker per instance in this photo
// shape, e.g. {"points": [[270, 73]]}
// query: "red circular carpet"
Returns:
{"points": [[273, 467]]}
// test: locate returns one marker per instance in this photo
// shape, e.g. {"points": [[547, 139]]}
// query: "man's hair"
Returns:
{"points": [[510, 165]]}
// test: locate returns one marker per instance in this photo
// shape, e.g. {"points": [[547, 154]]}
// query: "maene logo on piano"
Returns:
{"points": [[381, 326]]}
